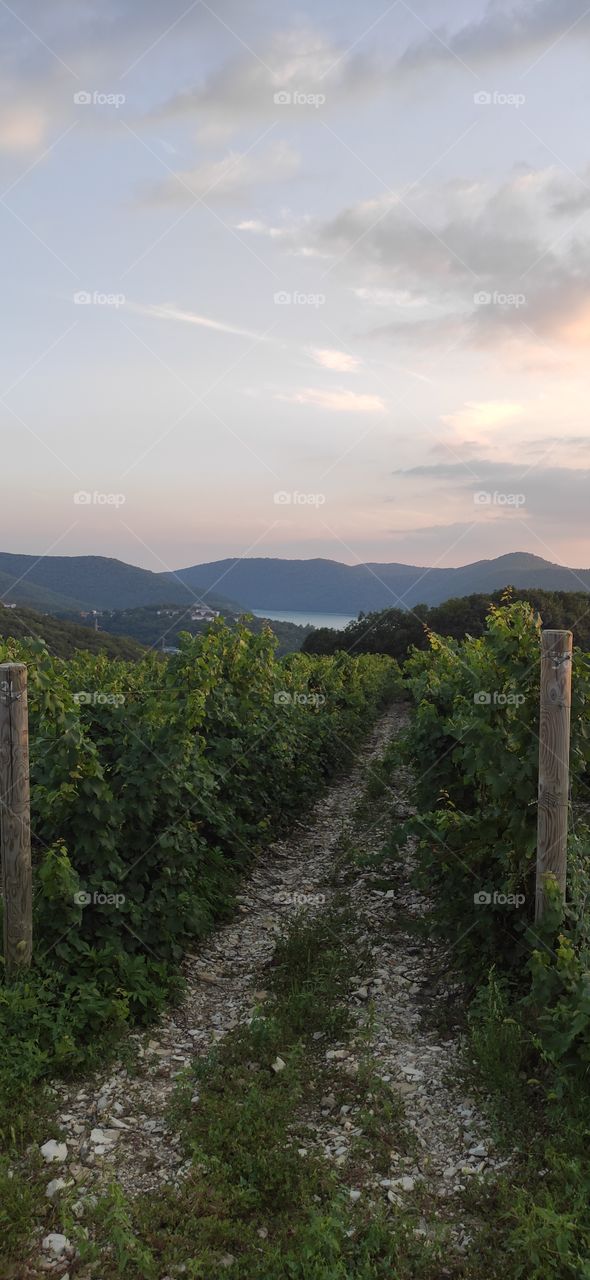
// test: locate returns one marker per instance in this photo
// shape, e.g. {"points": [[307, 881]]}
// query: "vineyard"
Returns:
{"points": [[156, 788], [152, 787]]}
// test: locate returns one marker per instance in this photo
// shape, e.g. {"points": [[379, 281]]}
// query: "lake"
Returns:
{"points": [[336, 620]]}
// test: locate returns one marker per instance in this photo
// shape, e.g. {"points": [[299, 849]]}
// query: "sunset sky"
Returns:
{"points": [[332, 251]]}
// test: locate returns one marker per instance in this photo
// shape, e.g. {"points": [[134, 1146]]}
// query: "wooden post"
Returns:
{"points": [[554, 753], [15, 820]]}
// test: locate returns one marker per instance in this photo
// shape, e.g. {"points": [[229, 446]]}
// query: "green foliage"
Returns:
{"points": [[474, 741], [475, 745], [529, 1021], [397, 631], [152, 785], [497, 1038]]}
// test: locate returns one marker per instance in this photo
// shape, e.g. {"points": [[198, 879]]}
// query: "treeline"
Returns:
{"points": [[396, 631]]}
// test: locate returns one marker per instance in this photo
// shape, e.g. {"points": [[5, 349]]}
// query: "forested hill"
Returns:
{"points": [[57, 583], [395, 631], [63, 639]]}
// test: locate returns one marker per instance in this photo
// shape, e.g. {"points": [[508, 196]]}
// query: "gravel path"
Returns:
{"points": [[114, 1127]]}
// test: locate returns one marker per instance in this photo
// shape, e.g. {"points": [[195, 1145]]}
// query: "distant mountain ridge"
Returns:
{"points": [[321, 586], [56, 584]]}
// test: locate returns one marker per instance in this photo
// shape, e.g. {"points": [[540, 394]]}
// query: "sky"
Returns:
{"points": [[295, 280]]}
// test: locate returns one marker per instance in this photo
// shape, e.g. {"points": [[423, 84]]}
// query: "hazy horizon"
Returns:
{"points": [[301, 283]]}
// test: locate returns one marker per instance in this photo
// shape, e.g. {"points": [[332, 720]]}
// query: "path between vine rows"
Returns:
{"points": [[115, 1125]]}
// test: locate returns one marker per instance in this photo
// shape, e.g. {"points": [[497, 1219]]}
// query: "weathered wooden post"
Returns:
{"points": [[554, 755], [15, 818]]}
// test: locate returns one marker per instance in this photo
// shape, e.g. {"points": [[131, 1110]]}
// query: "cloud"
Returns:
{"points": [[301, 59], [297, 61], [227, 179], [339, 361], [22, 128], [48, 52], [482, 264], [480, 417], [376, 297], [337, 401], [257, 227], [527, 29], [167, 311], [556, 497]]}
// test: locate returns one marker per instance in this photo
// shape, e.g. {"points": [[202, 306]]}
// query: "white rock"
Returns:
{"points": [[278, 1065], [354, 1194], [405, 1183], [56, 1244], [53, 1151], [54, 1187], [103, 1137]]}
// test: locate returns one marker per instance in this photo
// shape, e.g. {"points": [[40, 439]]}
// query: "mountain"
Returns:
{"points": [[58, 583], [26, 593], [324, 586]]}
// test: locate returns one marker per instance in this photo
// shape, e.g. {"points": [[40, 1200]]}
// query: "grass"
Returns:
{"points": [[535, 1221]]}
